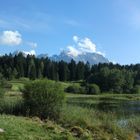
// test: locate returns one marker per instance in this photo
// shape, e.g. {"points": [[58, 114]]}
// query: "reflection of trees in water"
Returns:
{"points": [[109, 105], [125, 107]]}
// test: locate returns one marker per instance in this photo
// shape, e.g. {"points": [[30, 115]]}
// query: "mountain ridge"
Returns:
{"points": [[92, 58]]}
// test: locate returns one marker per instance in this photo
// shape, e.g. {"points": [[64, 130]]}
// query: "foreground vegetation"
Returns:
{"points": [[75, 124], [80, 118]]}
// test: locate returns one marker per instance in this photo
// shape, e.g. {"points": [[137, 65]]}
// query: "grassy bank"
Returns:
{"points": [[75, 124], [81, 118]]}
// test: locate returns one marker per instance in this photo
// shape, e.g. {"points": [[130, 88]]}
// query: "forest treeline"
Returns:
{"points": [[109, 77]]}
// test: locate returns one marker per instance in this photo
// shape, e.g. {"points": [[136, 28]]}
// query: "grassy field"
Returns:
{"points": [[23, 128], [84, 117]]}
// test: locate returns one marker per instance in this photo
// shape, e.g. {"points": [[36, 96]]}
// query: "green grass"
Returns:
{"points": [[102, 126], [74, 127], [16, 85], [79, 119], [21, 128]]}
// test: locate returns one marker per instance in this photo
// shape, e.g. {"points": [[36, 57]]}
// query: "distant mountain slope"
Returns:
{"points": [[92, 58], [32, 52]]}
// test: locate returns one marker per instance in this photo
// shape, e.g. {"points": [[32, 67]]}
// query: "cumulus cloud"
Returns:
{"points": [[87, 45], [73, 51], [10, 38], [82, 46]]}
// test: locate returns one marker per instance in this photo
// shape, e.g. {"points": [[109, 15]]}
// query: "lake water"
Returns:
{"points": [[126, 107]]}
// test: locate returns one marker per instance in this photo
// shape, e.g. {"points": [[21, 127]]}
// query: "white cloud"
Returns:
{"points": [[75, 38], [82, 46], [32, 44], [101, 53], [32, 52], [87, 45], [10, 38], [73, 51]]}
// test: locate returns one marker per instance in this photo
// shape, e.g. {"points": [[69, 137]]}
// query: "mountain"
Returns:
{"points": [[42, 55], [24, 53], [92, 58]]}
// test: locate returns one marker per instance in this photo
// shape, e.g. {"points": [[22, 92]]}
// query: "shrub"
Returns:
{"points": [[5, 84], [43, 98], [1, 92], [75, 89], [136, 89], [92, 89]]}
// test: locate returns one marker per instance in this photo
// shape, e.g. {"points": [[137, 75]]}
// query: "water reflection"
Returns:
{"points": [[108, 105], [126, 107]]}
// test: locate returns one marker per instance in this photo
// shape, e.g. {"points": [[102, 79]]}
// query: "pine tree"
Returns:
{"points": [[72, 69], [80, 71]]}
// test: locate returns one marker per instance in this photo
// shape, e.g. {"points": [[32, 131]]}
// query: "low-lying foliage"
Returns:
{"points": [[43, 99], [11, 105], [2, 91], [4, 84], [75, 89], [136, 89], [92, 89], [102, 126]]}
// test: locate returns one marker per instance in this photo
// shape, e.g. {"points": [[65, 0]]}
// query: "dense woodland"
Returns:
{"points": [[109, 77]]}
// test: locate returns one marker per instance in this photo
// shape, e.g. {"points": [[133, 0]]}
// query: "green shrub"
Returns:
{"points": [[43, 99], [92, 89], [136, 89], [2, 92], [5, 84], [75, 89]]}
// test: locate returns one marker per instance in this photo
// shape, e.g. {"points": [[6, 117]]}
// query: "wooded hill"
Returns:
{"points": [[109, 77]]}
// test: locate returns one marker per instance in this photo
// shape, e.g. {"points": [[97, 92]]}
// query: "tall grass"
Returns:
{"points": [[11, 105], [101, 125]]}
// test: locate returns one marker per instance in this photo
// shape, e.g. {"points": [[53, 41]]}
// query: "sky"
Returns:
{"points": [[107, 27]]}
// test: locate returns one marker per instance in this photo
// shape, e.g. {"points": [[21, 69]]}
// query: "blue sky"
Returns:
{"points": [[110, 27]]}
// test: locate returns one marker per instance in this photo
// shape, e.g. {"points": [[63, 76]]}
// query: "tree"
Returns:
{"points": [[80, 71], [92, 89], [63, 71], [31, 68], [19, 62], [32, 74], [137, 78], [116, 81], [72, 69], [129, 81], [136, 89], [87, 70]]}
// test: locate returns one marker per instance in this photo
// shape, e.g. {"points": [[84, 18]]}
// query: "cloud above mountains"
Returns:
{"points": [[14, 38], [32, 52], [82, 45], [10, 38]]}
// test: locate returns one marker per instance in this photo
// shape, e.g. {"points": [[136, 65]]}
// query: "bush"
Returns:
{"points": [[5, 84], [43, 98], [75, 89], [136, 89], [92, 89], [2, 92]]}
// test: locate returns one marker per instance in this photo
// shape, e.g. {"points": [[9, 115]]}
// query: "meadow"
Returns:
{"points": [[83, 117]]}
